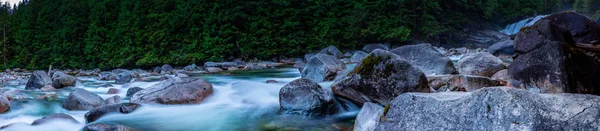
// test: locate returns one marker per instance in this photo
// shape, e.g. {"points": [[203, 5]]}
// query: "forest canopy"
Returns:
{"points": [[136, 33]]}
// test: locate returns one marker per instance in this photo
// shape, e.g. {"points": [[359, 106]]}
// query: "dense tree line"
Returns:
{"points": [[128, 33]]}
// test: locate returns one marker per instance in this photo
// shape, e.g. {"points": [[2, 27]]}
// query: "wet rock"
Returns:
{"points": [[106, 85], [501, 75], [442, 83], [123, 108], [133, 90], [181, 75], [4, 104], [105, 127], [58, 116], [272, 81], [112, 91], [38, 80], [379, 78], [233, 68], [306, 98], [112, 100], [322, 67], [347, 54], [504, 48], [191, 67], [497, 108], [557, 55], [124, 77], [371, 47], [480, 64], [332, 50], [299, 65], [224, 65], [369, 117], [426, 58], [213, 69], [107, 76], [16, 124], [175, 91], [81, 99], [308, 56], [358, 56], [166, 69], [62, 80]]}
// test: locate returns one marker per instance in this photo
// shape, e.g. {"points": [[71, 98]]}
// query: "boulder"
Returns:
{"points": [[81, 99], [496, 108], [368, 117], [133, 90], [322, 67], [558, 54], [53, 117], [426, 58], [306, 98], [233, 68], [123, 108], [332, 50], [105, 127], [175, 91], [371, 47], [308, 56], [480, 64], [442, 83], [112, 100], [299, 65], [166, 69], [191, 67], [503, 48], [213, 69], [358, 56], [107, 76], [62, 80], [181, 75], [38, 80], [124, 77], [501, 75], [112, 91], [379, 78], [4, 104], [347, 55]]}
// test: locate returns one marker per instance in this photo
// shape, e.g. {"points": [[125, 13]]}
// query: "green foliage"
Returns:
{"points": [[134, 33]]}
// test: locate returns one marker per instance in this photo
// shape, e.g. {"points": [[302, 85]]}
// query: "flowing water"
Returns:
{"points": [[514, 28], [241, 101]]}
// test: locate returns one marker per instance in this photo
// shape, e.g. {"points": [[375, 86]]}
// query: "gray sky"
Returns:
{"points": [[12, 2]]}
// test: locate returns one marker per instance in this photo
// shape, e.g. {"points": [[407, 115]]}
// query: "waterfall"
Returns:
{"points": [[516, 27]]}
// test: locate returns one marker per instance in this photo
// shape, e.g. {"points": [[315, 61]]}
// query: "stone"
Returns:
{"points": [[175, 91], [53, 117], [213, 69], [233, 68], [308, 56], [133, 90], [442, 83], [124, 77], [426, 58], [123, 108], [166, 69], [371, 47], [272, 81], [358, 56], [38, 80], [62, 80], [332, 50], [81, 99], [306, 98], [112, 91], [496, 108], [107, 76], [482, 38], [112, 100], [322, 67], [4, 104], [379, 78], [503, 48], [480, 64], [368, 117], [501, 75], [347, 55], [181, 75], [299, 65], [105, 127], [191, 67]]}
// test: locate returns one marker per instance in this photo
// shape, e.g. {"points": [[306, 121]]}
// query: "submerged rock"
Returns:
{"points": [[37, 80], [426, 58], [175, 91], [53, 117], [496, 108], [332, 50], [305, 97], [322, 67], [371, 47], [379, 78], [123, 108], [81, 99], [480, 64], [133, 90], [4, 104]]}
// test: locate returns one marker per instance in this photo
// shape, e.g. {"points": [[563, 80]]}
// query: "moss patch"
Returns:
{"points": [[367, 64]]}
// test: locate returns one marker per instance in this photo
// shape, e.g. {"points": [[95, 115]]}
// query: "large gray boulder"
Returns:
{"points": [[81, 99], [54, 117], [332, 50], [379, 78], [132, 91], [37, 80], [503, 48], [166, 69], [123, 108], [480, 64], [61, 80], [322, 67], [4, 104], [124, 77], [368, 117], [306, 98], [175, 91], [371, 47], [358, 56], [426, 58], [495, 108]]}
